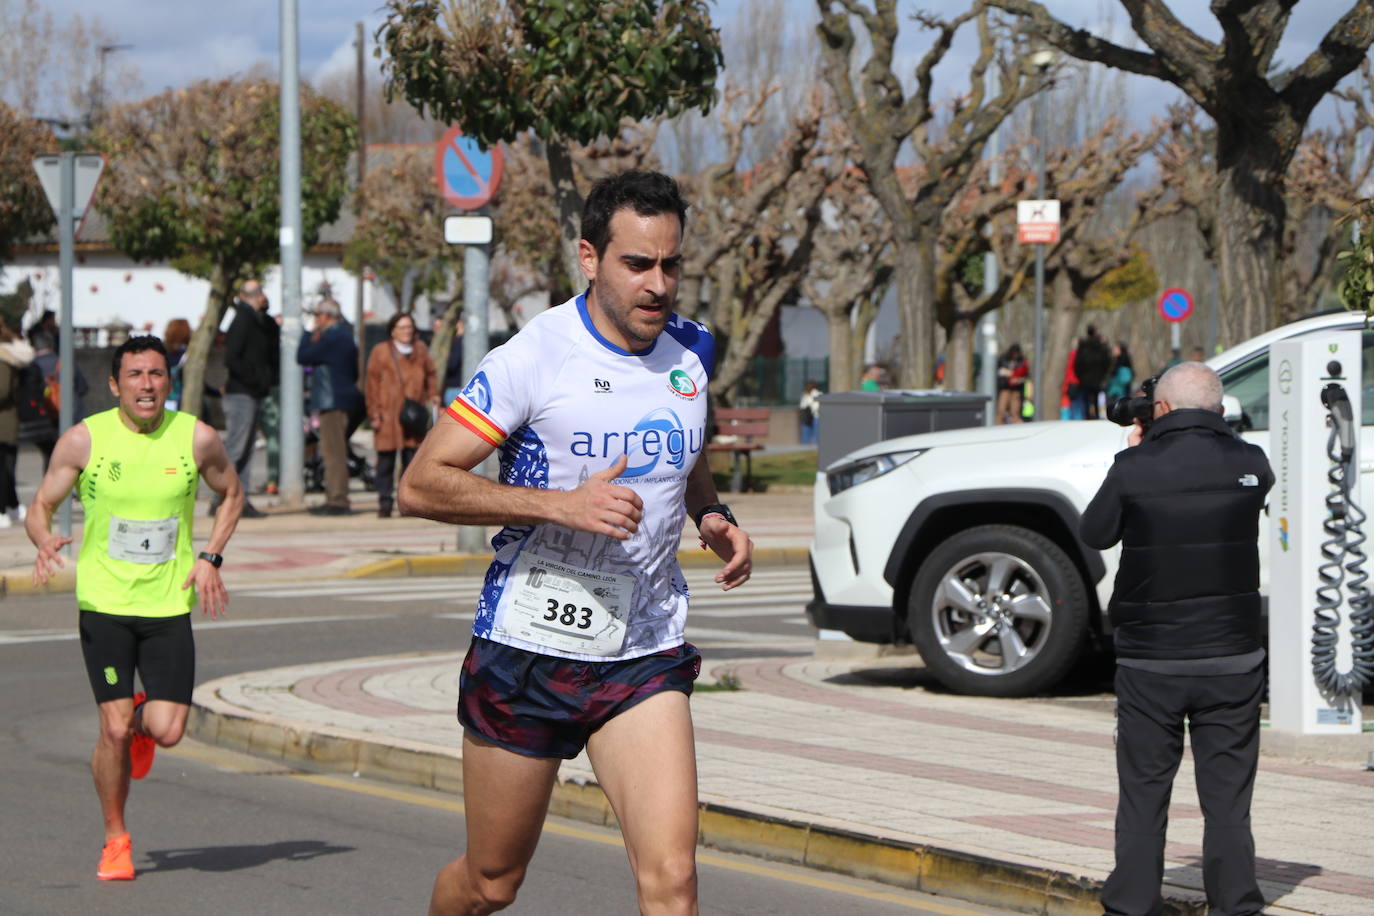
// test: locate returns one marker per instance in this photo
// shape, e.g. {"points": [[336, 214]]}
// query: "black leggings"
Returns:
{"points": [[386, 473]]}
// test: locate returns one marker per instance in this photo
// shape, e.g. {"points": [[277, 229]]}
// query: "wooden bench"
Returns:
{"points": [[736, 430]]}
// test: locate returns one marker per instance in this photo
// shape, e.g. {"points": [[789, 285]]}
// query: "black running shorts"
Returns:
{"points": [[160, 648]]}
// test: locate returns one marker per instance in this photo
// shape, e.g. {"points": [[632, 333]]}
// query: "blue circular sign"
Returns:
{"points": [[468, 175], [1175, 304]]}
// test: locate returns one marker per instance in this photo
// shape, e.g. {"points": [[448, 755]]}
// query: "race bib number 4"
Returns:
{"points": [[566, 608], [146, 542]]}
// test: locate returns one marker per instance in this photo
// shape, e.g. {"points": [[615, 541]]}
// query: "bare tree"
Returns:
{"points": [[726, 202], [850, 272], [884, 119], [68, 81], [1260, 117]]}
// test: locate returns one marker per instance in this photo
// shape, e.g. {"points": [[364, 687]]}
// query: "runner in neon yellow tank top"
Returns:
{"points": [[137, 467]]}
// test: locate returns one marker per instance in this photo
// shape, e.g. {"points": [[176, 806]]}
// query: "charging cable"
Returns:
{"points": [[1342, 552]]}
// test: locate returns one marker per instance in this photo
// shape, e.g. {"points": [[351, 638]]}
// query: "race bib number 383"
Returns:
{"points": [[143, 541], [566, 608]]}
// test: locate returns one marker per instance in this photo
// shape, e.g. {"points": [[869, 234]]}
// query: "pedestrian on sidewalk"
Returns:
{"points": [[16, 357], [137, 467], [1184, 500], [400, 378], [332, 355], [578, 638], [252, 358]]}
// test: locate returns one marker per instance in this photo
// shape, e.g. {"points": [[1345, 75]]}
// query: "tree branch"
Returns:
{"points": [[1341, 50], [1081, 43]]}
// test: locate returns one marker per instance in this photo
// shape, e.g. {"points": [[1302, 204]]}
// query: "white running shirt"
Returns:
{"points": [[561, 403]]}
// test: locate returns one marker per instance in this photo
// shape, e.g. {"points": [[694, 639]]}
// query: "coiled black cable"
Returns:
{"points": [[1342, 552]]}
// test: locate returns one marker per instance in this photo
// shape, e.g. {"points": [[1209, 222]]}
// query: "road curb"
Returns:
{"points": [[458, 564], [20, 582], [725, 825]]}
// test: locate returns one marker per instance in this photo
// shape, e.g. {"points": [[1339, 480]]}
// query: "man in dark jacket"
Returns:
{"points": [[332, 354], [1092, 364], [1184, 502], [250, 355]]}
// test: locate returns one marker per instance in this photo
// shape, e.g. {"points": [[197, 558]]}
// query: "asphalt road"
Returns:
{"points": [[220, 832]]}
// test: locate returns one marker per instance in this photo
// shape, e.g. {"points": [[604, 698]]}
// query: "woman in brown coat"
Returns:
{"points": [[397, 368]]}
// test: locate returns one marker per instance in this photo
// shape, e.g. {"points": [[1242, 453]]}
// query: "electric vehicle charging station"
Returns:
{"points": [[1321, 612]]}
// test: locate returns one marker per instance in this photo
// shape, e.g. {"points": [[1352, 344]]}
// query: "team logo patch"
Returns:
{"points": [[681, 384], [478, 392], [111, 675]]}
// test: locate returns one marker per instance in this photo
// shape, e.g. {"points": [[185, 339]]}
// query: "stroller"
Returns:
{"points": [[314, 461]]}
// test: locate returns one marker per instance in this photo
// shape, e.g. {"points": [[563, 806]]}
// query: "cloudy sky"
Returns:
{"points": [[178, 41]]}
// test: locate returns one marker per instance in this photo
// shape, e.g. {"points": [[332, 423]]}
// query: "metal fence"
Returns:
{"points": [[778, 381]]}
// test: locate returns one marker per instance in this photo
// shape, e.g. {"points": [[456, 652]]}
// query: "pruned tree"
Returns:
{"points": [[569, 70], [885, 120], [1260, 113], [399, 235], [24, 210], [727, 201], [1093, 241], [1322, 183], [752, 280], [194, 179], [850, 272]]}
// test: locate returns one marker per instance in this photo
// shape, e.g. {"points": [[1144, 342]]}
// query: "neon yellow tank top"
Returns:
{"points": [[138, 492]]}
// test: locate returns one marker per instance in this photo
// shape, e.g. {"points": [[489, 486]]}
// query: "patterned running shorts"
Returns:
{"points": [[545, 706]]}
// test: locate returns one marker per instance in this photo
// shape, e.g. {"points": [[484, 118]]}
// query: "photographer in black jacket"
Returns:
{"points": [[1185, 501]]}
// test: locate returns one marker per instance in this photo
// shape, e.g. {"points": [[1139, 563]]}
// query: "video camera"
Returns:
{"points": [[1125, 411]]}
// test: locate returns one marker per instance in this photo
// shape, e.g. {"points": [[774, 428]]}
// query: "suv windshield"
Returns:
{"points": [[1249, 384]]}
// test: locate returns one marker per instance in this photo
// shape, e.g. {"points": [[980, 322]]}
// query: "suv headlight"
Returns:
{"points": [[849, 475]]}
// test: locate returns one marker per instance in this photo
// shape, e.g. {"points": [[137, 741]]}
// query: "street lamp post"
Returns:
{"points": [[1041, 60]]}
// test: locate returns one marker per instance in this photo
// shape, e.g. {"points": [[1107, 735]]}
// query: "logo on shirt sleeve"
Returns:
{"points": [[681, 384], [478, 392]]}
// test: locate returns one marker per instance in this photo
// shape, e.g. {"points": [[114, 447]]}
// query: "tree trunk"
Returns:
{"points": [[915, 294], [198, 350], [1250, 218], [1061, 331], [568, 202], [865, 313], [959, 355], [842, 372], [442, 341]]}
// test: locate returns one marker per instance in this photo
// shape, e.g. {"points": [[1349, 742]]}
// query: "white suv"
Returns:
{"points": [[966, 542]]}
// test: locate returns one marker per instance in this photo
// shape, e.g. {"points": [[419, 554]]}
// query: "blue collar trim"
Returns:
{"points": [[596, 335]]}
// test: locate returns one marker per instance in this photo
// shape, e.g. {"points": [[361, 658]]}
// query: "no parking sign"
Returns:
{"points": [[1175, 304], [468, 175]]}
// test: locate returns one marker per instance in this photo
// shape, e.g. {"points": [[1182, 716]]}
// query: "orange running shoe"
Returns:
{"points": [[117, 860], [141, 747]]}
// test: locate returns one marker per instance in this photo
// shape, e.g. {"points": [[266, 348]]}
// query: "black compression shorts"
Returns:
{"points": [[160, 648]]}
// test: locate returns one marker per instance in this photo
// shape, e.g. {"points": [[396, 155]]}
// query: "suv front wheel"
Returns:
{"points": [[998, 610]]}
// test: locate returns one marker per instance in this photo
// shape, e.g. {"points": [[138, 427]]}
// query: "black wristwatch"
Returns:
{"points": [[214, 559], [716, 509]]}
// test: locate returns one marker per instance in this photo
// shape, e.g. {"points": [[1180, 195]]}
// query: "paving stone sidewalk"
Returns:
{"points": [[1021, 792]]}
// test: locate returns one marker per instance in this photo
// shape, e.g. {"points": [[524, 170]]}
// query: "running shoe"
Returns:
{"points": [[116, 860], [141, 747]]}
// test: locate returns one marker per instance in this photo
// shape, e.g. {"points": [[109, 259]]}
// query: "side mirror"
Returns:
{"points": [[1231, 411]]}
